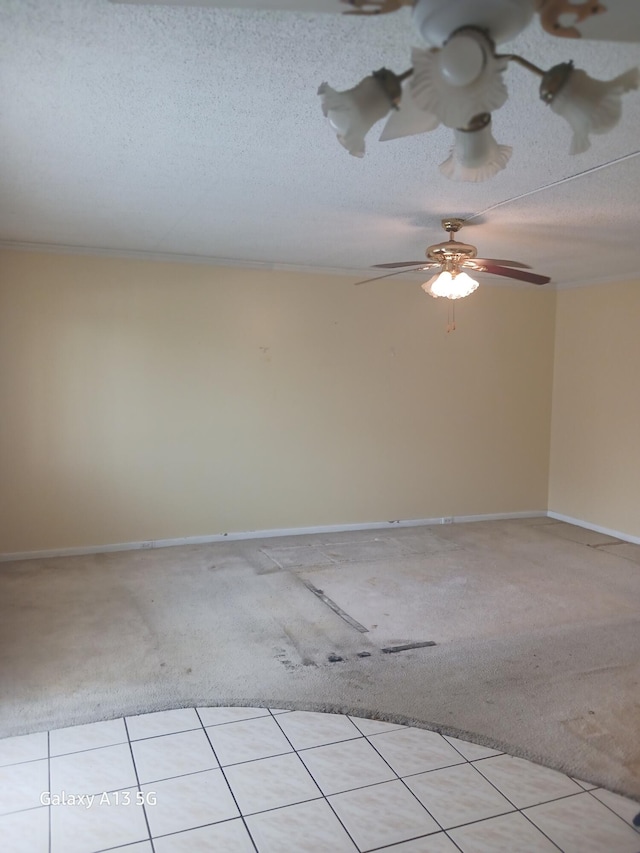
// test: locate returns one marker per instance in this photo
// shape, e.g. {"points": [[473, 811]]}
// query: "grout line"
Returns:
{"points": [[520, 811], [149, 737], [538, 828], [609, 807], [135, 770], [322, 794], [29, 761], [88, 749], [401, 779], [119, 847], [360, 735], [224, 776]]}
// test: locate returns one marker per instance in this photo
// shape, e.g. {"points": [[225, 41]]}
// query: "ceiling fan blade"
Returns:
{"points": [[498, 261], [615, 20], [531, 277], [394, 265], [388, 275]]}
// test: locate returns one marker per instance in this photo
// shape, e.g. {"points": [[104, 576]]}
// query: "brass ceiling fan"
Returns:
{"points": [[453, 258]]}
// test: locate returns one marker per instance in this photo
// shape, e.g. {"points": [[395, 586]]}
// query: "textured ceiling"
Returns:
{"points": [[197, 131]]}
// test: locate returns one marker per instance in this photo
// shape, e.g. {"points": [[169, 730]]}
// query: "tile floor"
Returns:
{"points": [[241, 780]]}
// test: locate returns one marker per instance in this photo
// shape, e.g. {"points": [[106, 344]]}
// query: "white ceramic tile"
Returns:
{"points": [[188, 802], [94, 771], [309, 827], [373, 727], [438, 843], [280, 710], [382, 814], [230, 836], [217, 716], [90, 736], [411, 750], [457, 795], [77, 829], [344, 766], [25, 832], [581, 824], [21, 785], [505, 834], [162, 723], [471, 751], [140, 847], [626, 809], [23, 748], [248, 740], [271, 783], [173, 755], [307, 728], [525, 783]]}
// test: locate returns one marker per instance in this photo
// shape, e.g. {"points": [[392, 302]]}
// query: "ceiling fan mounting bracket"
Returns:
{"points": [[452, 224]]}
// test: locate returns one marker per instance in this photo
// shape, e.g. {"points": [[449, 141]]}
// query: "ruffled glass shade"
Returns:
{"points": [[591, 106], [450, 286], [459, 81], [353, 113], [475, 156]]}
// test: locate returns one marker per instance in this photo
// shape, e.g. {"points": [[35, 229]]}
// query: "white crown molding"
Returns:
{"points": [[205, 260], [169, 257], [262, 534]]}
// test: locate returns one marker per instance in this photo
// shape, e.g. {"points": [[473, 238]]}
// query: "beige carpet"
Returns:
{"points": [[536, 625]]}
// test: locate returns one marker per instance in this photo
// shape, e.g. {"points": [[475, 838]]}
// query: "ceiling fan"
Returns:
{"points": [[456, 78], [453, 257]]}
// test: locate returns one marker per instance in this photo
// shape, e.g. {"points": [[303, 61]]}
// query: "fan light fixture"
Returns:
{"points": [[450, 285], [457, 82]]}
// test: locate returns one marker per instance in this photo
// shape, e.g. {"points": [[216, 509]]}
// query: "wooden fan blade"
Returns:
{"points": [[378, 277], [498, 261], [393, 265], [531, 277]]}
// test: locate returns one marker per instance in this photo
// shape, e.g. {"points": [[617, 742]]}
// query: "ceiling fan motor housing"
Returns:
{"points": [[451, 253], [451, 250]]}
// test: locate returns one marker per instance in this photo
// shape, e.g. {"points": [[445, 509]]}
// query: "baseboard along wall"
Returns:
{"points": [[263, 534]]}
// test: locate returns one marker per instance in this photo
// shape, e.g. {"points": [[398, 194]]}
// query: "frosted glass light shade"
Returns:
{"points": [[456, 103], [353, 113], [591, 106], [455, 286], [461, 60], [475, 156]]}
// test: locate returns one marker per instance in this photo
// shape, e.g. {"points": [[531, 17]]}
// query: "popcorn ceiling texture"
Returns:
{"points": [[198, 131]]}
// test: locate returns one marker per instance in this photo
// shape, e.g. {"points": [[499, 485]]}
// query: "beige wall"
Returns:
{"points": [[145, 400], [595, 450]]}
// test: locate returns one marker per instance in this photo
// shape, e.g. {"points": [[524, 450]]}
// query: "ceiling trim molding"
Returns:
{"points": [[205, 260], [171, 257]]}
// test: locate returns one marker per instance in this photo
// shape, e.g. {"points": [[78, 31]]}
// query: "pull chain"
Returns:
{"points": [[451, 316]]}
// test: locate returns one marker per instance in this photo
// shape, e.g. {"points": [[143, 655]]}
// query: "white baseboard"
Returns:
{"points": [[262, 534], [626, 537]]}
